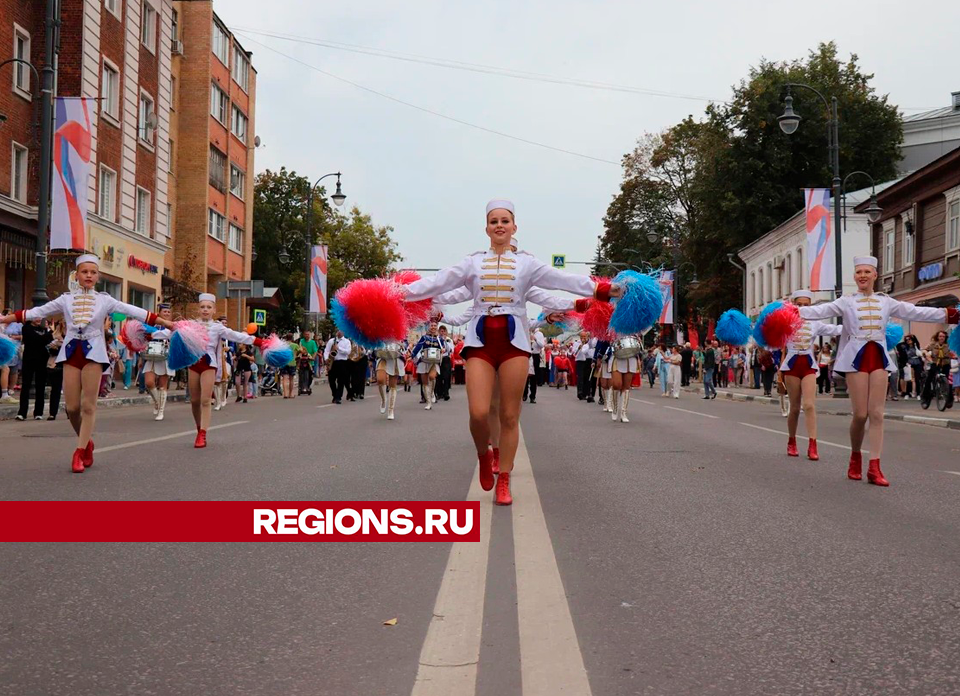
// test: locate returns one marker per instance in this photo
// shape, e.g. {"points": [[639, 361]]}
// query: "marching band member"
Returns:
{"points": [[799, 370], [537, 343], [336, 355], [429, 353], [604, 356], [156, 374], [863, 356], [390, 365], [626, 355], [84, 350], [498, 344], [204, 373]]}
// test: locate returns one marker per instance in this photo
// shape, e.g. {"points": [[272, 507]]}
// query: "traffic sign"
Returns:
{"points": [[260, 317], [559, 261]]}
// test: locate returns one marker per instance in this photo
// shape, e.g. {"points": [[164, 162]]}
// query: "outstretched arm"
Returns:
{"points": [[446, 280]]}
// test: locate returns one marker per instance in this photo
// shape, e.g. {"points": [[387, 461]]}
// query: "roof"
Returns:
{"points": [[933, 114], [906, 182]]}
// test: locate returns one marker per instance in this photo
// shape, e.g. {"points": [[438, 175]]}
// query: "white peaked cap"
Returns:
{"points": [[802, 293], [497, 204], [865, 261], [207, 296], [88, 258]]}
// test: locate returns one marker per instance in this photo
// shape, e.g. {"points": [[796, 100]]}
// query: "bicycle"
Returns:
{"points": [[941, 391]]}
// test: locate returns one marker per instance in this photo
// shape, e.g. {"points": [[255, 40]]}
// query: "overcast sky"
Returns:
{"points": [[430, 178]]}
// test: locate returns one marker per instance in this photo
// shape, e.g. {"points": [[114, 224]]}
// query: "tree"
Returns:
{"points": [[357, 247]]}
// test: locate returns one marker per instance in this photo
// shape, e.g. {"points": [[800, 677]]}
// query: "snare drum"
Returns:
{"points": [[391, 351], [432, 355], [157, 349], [627, 347]]}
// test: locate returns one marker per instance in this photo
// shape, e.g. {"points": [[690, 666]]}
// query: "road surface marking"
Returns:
{"points": [[648, 403], [326, 406], [550, 657], [125, 445], [451, 650], [696, 413], [801, 437], [955, 473]]}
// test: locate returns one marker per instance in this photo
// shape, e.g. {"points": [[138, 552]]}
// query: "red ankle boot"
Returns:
{"points": [[792, 447], [855, 470], [486, 470], [503, 490], [201, 440], [874, 475], [812, 452], [496, 460], [76, 464], [88, 454]]}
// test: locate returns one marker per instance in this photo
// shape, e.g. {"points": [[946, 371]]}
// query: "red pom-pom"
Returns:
{"points": [[596, 319], [781, 324], [374, 308], [417, 312]]}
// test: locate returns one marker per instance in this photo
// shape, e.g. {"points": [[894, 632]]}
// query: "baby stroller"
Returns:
{"points": [[270, 382]]}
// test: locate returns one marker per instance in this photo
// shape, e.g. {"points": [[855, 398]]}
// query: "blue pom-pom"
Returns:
{"points": [[338, 312], [180, 355], [894, 335], [8, 351], [640, 306], [758, 326], [278, 357], [954, 340], [734, 327], [150, 329]]}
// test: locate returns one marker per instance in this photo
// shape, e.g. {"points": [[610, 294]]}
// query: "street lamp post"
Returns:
{"points": [[338, 198], [873, 211], [743, 271]]}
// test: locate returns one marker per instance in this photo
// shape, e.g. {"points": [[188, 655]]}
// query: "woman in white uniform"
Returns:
{"points": [[799, 369], [390, 365], [428, 353], [862, 356], [156, 374], [624, 362], [84, 350]]}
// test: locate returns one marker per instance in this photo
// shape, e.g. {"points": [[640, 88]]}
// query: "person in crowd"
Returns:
{"points": [[824, 360], [55, 369], [243, 370], [649, 366], [308, 358], [675, 376], [336, 355], [768, 367], [938, 354], [686, 361], [445, 373], [155, 369], [10, 373], [755, 368], [663, 368], [36, 337], [289, 371], [584, 363], [709, 366]]}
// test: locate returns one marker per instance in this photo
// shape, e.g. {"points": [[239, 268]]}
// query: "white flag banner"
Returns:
{"points": [[318, 279], [71, 162], [821, 248]]}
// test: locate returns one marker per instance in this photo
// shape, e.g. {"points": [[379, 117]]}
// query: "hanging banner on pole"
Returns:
{"points": [[318, 279], [666, 289], [821, 256], [71, 161]]}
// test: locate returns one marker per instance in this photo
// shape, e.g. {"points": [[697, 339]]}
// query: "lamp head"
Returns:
{"points": [[873, 211], [283, 256], [789, 120], [652, 237], [339, 196]]}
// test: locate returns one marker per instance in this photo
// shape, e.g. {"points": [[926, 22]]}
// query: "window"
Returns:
{"points": [[801, 271], [174, 26], [215, 225], [238, 124], [170, 156], [241, 69], [110, 91], [889, 239], [21, 50], [18, 173], [148, 27], [760, 294], [236, 239], [237, 181], [909, 242], [114, 289], [788, 274], [113, 6], [769, 289], [221, 44], [141, 298], [173, 93], [752, 302], [143, 212], [953, 225], [108, 194], [147, 118], [218, 170], [218, 104]]}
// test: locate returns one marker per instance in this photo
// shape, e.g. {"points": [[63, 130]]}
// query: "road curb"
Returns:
{"points": [[9, 411], [931, 421]]}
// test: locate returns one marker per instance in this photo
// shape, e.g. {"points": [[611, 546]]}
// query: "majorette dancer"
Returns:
{"points": [[428, 353], [204, 373], [624, 361], [156, 374], [497, 343], [224, 377], [390, 364], [84, 350], [863, 356], [799, 370]]}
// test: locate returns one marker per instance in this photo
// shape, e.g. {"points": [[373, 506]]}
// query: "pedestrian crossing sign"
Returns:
{"points": [[559, 260], [260, 317]]}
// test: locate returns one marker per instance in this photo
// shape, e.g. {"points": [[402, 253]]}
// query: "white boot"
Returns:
{"points": [[155, 395], [393, 402], [163, 402], [624, 402], [614, 405], [383, 398], [428, 392], [608, 401]]}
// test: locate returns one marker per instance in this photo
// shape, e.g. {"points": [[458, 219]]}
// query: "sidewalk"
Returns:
{"points": [[117, 399], [908, 411]]}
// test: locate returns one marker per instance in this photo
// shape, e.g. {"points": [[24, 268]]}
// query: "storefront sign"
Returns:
{"points": [[134, 262], [931, 272]]}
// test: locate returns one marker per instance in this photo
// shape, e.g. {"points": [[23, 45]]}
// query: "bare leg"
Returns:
{"points": [[493, 415], [71, 396], [794, 389], [207, 380], [194, 381], [481, 380], [875, 402], [808, 388], [512, 375], [90, 388], [859, 387]]}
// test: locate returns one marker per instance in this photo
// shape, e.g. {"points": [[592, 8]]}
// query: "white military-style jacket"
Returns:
{"points": [[865, 320], [801, 343], [498, 285], [216, 334], [549, 302], [85, 312]]}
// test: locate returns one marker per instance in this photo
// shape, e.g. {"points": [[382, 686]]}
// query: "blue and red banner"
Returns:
{"points": [[71, 161], [318, 279], [820, 242], [666, 289]]}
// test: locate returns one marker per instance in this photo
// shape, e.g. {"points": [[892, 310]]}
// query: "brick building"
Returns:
{"points": [[212, 131]]}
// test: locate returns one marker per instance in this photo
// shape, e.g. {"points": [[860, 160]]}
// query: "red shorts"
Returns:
{"points": [[202, 365], [496, 348], [870, 358], [802, 367], [78, 359]]}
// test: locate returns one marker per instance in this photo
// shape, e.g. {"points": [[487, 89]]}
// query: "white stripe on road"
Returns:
{"points": [[955, 473], [326, 406], [696, 413], [550, 657], [801, 437], [451, 650], [137, 443]]}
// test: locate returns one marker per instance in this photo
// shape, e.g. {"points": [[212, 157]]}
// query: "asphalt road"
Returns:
{"points": [[682, 553]]}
